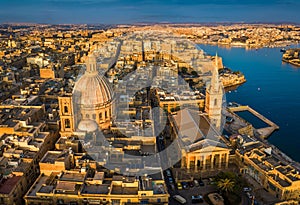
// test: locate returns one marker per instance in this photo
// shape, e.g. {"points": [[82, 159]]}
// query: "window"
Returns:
{"points": [[115, 201], [67, 123], [145, 201], [66, 109], [100, 115], [216, 102], [105, 114], [94, 116]]}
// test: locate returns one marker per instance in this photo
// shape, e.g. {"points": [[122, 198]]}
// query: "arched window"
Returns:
{"points": [[67, 123], [216, 102], [66, 109], [105, 114], [100, 115]]}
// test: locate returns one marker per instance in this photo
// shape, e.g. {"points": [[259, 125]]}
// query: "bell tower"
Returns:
{"points": [[214, 98], [66, 115]]}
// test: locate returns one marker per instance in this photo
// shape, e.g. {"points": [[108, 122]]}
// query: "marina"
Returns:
{"points": [[263, 131]]}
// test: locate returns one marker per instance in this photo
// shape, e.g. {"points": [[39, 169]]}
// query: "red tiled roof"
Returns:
{"points": [[7, 185]]}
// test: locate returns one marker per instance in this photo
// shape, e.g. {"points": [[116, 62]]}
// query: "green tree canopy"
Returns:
{"points": [[226, 185]]}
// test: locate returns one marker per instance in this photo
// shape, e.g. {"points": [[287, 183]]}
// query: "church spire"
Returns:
{"points": [[215, 83], [91, 63], [214, 97]]}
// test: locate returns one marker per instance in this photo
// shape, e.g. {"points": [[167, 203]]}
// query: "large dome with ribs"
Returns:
{"points": [[92, 89]]}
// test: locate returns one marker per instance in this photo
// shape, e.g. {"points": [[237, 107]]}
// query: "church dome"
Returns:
{"points": [[92, 89], [88, 126]]}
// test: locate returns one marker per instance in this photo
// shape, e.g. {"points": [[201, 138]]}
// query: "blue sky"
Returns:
{"points": [[134, 11]]}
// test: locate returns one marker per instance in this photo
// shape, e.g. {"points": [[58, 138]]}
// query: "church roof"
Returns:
{"points": [[193, 126], [195, 130]]}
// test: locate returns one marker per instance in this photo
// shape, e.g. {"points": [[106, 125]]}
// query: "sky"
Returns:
{"points": [[145, 11]]}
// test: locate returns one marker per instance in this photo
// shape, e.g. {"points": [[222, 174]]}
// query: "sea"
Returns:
{"points": [[272, 89]]}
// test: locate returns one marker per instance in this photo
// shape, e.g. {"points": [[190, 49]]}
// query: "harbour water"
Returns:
{"points": [[272, 88]]}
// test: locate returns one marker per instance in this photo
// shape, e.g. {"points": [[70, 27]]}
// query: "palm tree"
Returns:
{"points": [[226, 185]]}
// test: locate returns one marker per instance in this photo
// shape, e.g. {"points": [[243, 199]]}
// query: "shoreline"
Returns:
{"points": [[291, 62], [250, 47], [233, 86]]}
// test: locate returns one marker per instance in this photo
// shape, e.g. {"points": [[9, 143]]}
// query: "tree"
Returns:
{"points": [[226, 185], [183, 70], [231, 185], [194, 73]]}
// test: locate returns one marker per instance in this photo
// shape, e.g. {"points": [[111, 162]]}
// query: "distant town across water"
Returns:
{"points": [[272, 88]]}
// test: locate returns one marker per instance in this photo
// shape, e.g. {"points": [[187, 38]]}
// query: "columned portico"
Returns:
{"points": [[217, 159]]}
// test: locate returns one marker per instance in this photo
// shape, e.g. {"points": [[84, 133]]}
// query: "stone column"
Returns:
{"points": [[212, 161], [204, 162], [227, 159], [188, 162], [220, 160], [182, 161]]}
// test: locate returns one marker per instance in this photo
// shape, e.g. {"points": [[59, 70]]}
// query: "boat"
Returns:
{"points": [[283, 50]]}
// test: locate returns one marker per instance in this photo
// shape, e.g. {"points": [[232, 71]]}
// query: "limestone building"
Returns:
{"points": [[199, 145]]}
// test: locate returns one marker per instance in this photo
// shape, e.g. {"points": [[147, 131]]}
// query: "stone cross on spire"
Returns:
{"points": [[215, 83]]}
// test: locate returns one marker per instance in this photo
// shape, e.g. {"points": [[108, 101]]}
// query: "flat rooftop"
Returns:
{"points": [[69, 176], [124, 190], [51, 157], [95, 189]]}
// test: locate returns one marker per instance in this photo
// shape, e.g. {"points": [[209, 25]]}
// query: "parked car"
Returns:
{"points": [[170, 179], [185, 185], [197, 199], [211, 181], [179, 186], [201, 183], [180, 199], [191, 184], [247, 189], [249, 195], [168, 172], [196, 183], [172, 186]]}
